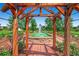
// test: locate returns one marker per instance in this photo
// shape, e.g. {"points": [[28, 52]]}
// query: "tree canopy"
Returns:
{"points": [[48, 23], [33, 24]]}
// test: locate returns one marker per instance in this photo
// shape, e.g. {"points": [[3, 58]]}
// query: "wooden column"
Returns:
{"points": [[67, 32], [15, 37], [54, 32], [27, 27]]}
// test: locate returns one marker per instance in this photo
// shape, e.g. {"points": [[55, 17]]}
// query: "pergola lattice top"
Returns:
{"points": [[20, 7]]}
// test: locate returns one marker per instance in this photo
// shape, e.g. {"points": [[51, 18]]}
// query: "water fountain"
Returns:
{"points": [[39, 33]]}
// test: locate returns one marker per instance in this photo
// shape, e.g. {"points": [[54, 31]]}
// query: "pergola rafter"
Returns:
{"points": [[21, 11], [55, 15], [28, 14], [49, 10], [13, 9], [60, 9]]}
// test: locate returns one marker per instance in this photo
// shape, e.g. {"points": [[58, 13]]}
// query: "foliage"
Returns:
{"points": [[22, 23], [75, 33], [48, 23], [74, 51], [21, 44], [71, 24], [4, 33], [5, 52], [60, 46], [43, 28], [59, 24], [20, 33], [33, 25], [10, 23], [8, 33]]}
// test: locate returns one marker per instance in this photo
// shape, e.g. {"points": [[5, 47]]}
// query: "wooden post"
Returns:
{"points": [[15, 37], [54, 32], [27, 27], [67, 33]]}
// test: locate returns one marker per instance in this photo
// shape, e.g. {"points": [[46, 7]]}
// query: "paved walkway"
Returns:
{"points": [[37, 47], [41, 47]]}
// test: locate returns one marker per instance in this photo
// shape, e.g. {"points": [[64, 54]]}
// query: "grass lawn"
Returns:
{"points": [[73, 33]]}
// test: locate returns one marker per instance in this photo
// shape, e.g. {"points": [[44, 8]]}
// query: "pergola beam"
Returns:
{"points": [[41, 4], [5, 8], [36, 15], [42, 15]]}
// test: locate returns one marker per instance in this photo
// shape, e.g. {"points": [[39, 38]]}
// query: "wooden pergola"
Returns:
{"points": [[18, 11]]}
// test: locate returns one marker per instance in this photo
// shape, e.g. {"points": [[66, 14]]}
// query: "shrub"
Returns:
{"points": [[4, 33], [21, 44], [74, 51], [60, 46], [20, 32], [5, 52]]}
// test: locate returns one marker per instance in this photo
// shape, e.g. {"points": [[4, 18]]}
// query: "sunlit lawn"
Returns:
{"points": [[73, 33]]}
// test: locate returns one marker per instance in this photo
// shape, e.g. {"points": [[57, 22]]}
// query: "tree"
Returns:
{"points": [[71, 20], [10, 23], [43, 28], [33, 25], [59, 24], [21, 23], [48, 23]]}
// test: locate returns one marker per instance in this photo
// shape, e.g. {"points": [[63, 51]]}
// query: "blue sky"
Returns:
{"points": [[39, 20]]}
